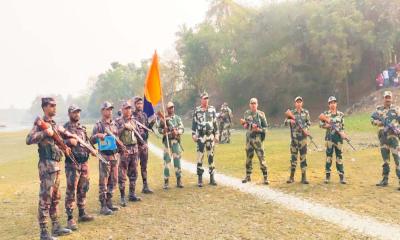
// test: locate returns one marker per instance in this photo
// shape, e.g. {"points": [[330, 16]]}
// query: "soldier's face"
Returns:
{"points": [[171, 110], [333, 105], [50, 110], [139, 105], [298, 104], [204, 101], [253, 106], [127, 112], [107, 113], [75, 116], [388, 100]]}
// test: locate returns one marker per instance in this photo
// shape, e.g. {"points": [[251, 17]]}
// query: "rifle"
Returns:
{"points": [[169, 129], [146, 128], [334, 127], [386, 123], [250, 124], [290, 115], [119, 142], [89, 147], [57, 139]]}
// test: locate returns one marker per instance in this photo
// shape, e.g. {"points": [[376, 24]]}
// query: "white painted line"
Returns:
{"points": [[365, 225]]}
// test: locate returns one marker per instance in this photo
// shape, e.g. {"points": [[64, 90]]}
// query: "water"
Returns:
{"points": [[14, 127]]}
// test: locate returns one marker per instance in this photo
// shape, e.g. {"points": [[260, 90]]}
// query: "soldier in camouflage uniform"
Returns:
{"points": [[108, 174], [77, 176], [49, 171], [205, 134], [333, 138], [174, 128], [128, 164], [298, 136], [256, 124], [386, 117], [142, 118], [225, 121]]}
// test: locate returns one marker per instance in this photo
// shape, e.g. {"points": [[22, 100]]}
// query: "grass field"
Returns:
{"points": [[211, 212]]}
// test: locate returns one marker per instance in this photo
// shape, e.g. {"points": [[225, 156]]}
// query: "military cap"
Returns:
{"points": [[253, 100], [126, 104], [74, 108], [137, 99], [204, 95], [331, 99], [387, 93], [106, 105], [48, 100], [298, 98], [170, 104]]}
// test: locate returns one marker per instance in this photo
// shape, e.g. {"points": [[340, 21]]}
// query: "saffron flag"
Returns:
{"points": [[152, 87]]}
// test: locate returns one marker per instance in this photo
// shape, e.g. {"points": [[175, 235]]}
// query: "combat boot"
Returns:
{"points": [[111, 206], [383, 183], [265, 181], [123, 200], [246, 179], [57, 230], [327, 178], [212, 180], [342, 180], [104, 209], [200, 180], [84, 217], [71, 224], [166, 182], [44, 233], [146, 189], [179, 182], [291, 178], [304, 178]]}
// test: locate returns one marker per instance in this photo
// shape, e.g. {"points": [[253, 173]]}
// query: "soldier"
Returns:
{"points": [[49, 170], [225, 121], [334, 139], [256, 124], [108, 174], [298, 132], [77, 176], [386, 117], [205, 134], [174, 129], [142, 118], [128, 164]]}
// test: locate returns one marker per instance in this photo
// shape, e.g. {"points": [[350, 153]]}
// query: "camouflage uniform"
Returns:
{"points": [[128, 163], [49, 173], [205, 127], [388, 139], [77, 176], [225, 120], [141, 117], [173, 122], [334, 143], [255, 143], [108, 174], [298, 144]]}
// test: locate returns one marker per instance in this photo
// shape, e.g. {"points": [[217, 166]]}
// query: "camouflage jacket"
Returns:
{"points": [[80, 153], [390, 115], [99, 127], [258, 118], [337, 120], [47, 148], [302, 117], [204, 121], [225, 115], [127, 136], [141, 117], [173, 122]]}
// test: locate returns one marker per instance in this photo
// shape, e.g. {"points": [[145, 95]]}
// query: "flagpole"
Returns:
{"points": [[165, 124]]}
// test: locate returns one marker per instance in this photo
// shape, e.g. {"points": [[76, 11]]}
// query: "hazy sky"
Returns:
{"points": [[54, 46]]}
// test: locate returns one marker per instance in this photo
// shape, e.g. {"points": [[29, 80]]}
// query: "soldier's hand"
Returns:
{"points": [[68, 151], [94, 152], [216, 138], [49, 132], [73, 141], [194, 137], [292, 121], [378, 123], [101, 136], [128, 126]]}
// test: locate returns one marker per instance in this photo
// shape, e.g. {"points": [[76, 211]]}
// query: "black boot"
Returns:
{"points": [[84, 217], [212, 180], [384, 182], [291, 178], [71, 224], [342, 180], [304, 178], [123, 199], [200, 180], [166, 184], [246, 179], [44, 233], [57, 230], [327, 178], [104, 209], [110, 205], [146, 189], [265, 181], [179, 182]]}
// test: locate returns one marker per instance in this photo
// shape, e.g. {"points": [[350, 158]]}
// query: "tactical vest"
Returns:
{"points": [[128, 137], [49, 151]]}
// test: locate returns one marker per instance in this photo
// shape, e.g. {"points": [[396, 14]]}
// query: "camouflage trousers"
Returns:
{"points": [[334, 147], [128, 167], [389, 144], [205, 143], [254, 144], [176, 156], [225, 132], [49, 194], [77, 185], [298, 147], [143, 157], [108, 177]]}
